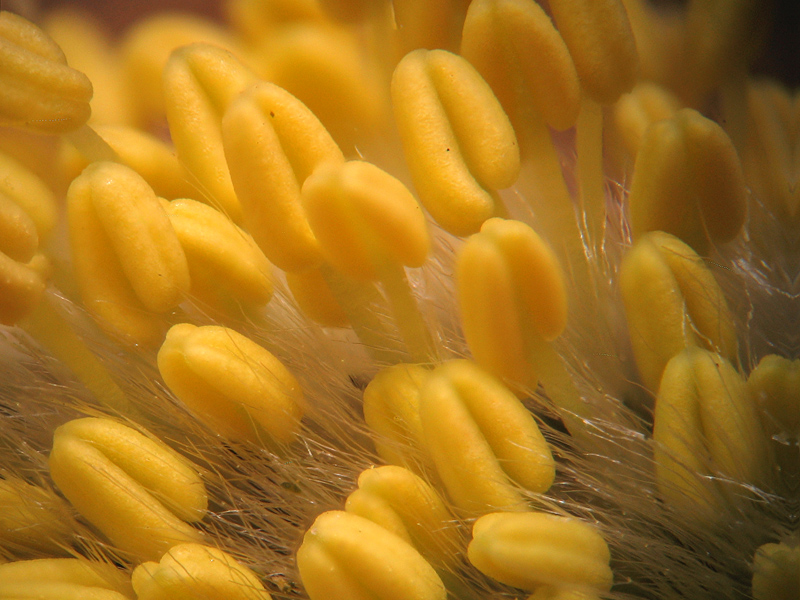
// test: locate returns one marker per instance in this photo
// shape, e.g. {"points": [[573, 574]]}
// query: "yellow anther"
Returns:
{"points": [[127, 258], [688, 182], [136, 490], [38, 90], [769, 157], [456, 160], [240, 389], [62, 579], [635, 112], [403, 503], [364, 219], [719, 38], [146, 49], [370, 227], [315, 298], [349, 10], [19, 239], [200, 82], [254, 19], [270, 132], [529, 550], [672, 301], [546, 592], [21, 186], [705, 423], [428, 25], [512, 296], [326, 69], [197, 571], [775, 385], [225, 263], [515, 47], [599, 37], [391, 409], [484, 442], [21, 286], [149, 156], [88, 48], [347, 557], [32, 519], [776, 572]]}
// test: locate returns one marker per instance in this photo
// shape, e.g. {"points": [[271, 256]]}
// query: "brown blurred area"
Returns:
{"points": [[780, 58], [118, 14]]}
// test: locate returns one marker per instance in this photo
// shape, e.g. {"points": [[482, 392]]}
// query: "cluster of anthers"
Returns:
{"points": [[399, 300]]}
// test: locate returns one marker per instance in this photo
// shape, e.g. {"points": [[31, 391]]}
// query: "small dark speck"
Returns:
{"points": [[447, 149], [357, 382], [271, 114]]}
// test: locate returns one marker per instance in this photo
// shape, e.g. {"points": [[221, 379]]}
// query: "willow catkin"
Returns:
{"points": [[601, 464]]}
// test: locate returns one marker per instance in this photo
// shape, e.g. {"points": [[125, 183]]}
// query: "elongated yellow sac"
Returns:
{"points": [[200, 82], [145, 50], [672, 301], [268, 131], [776, 572], [225, 264], [422, 24], [646, 104], [405, 504], [547, 592], [38, 91], [197, 571], [457, 162], [326, 68], [237, 387], [255, 19], [705, 423], [127, 258], [391, 409], [347, 557], [24, 188], [62, 579], [315, 298], [600, 40], [27, 217], [33, 520], [23, 280], [531, 550], [364, 219], [769, 159], [775, 385], [151, 157], [87, 44], [688, 181], [515, 47], [485, 444], [135, 490], [512, 295]]}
